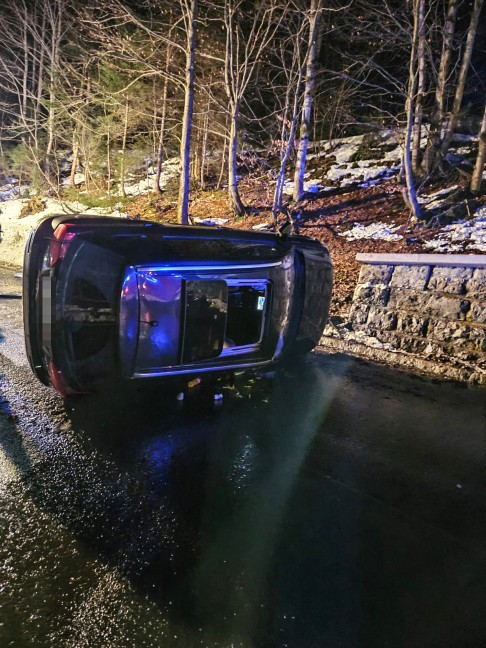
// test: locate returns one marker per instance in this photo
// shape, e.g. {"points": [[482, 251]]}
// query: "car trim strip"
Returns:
{"points": [[198, 268]]}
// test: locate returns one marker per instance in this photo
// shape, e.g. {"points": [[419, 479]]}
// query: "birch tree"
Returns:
{"points": [[432, 153], [314, 15], [189, 8], [247, 37], [409, 188], [461, 80], [477, 176], [419, 95], [290, 109]]}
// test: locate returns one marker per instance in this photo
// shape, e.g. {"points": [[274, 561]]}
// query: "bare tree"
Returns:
{"points": [[461, 80], [477, 176], [432, 153], [290, 110], [163, 119], [314, 15], [151, 50], [247, 37], [409, 188], [30, 69], [189, 8], [419, 17]]}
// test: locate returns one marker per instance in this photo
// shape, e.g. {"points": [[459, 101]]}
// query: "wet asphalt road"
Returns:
{"points": [[339, 505]]}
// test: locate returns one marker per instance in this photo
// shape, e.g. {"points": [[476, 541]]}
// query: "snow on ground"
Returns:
{"points": [[171, 168], [219, 222], [376, 231], [469, 234], [437, 199], [461, 236], [365, 173], [312, 186], [16, 229]]}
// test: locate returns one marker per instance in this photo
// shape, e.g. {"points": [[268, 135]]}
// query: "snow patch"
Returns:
{"points": [[377, 231], [218, 222], [78, 179], [312, 186], [436, 199], [360, 175], [470, 234], [134, 186], [16, 229]]}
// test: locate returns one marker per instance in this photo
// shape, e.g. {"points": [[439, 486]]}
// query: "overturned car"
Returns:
{"points": [[107, 299]]}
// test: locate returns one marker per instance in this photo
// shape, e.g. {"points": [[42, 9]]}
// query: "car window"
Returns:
{"points": [[246, 307], [205, 319]]}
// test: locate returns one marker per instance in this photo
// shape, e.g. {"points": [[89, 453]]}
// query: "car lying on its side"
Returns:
{"points": [[108, 299]]}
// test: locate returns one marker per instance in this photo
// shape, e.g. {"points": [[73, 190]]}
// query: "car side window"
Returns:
{"points": [[206, 304]]}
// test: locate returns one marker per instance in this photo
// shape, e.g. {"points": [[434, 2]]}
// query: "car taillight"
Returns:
{"points": [[57, 380], [59, 245]]}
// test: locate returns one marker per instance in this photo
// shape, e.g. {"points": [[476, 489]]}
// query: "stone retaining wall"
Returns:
{"points": [[423, 312]]}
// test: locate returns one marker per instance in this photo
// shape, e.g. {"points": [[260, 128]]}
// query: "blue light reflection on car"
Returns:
{"points": [[130, 324], [160, 308]]}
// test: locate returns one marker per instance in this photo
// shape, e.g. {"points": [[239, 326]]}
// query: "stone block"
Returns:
{"points": [[410, 277], [464, 355], [376, 274], [381, 319], [358, 315], [387, 337], [480, 343], [445, 307], [371, 293], [412, 324], [450, 280], [411, 344], [477, 312], [476, 286], [445, 331], [407, 300]]}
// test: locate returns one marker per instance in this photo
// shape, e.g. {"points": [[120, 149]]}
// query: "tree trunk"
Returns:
{"points": [[477, 176], [160, 151], [236, 203], [204, 146], [432, 154], [287, 150], [314, 15], [183, 202], [123, 150], [25, 74], [417, 124], [409, 189], [74, 163], [223, 165], [461, 81], [108, 160], [56, 28]]}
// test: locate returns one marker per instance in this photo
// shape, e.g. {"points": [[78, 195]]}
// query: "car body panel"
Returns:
{"points": [[108, 299]]}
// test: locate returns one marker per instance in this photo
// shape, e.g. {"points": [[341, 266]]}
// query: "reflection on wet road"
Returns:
{"points": [[342, 505]]}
